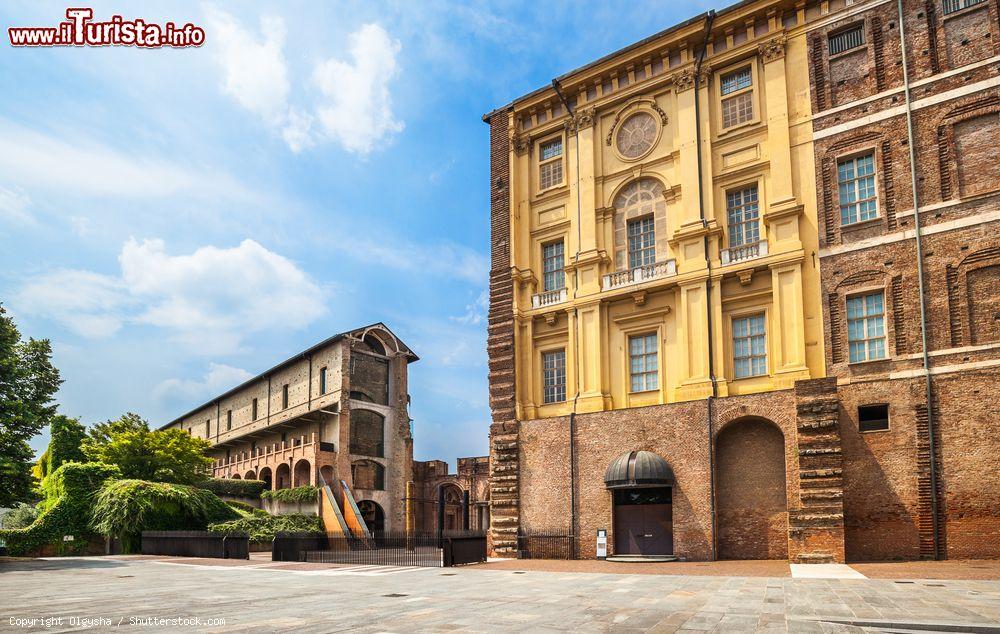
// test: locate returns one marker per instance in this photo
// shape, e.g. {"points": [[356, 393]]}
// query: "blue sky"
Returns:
{"points": [[176, 221]]}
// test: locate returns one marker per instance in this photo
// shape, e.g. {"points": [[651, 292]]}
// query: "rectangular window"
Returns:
{"points": [[641, 242], [322, 380], [866, 327], [554, 376], [284, 396], [253, 409], [873, 417], [846, 40], [951, 6], [554, 277], [737, 88], [550, 167], [856, 182], [642, 363], [741, 209], [229, 419], [749, 346]]}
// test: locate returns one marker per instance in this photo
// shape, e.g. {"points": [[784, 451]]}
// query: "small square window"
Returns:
{"points": [[873, 417]]}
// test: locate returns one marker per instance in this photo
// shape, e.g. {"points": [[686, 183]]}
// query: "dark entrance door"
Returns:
{"points": [[643, 522]]}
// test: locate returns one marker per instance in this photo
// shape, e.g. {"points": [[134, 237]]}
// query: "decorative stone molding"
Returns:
{"points": [[629, 109], [745, 277], [684, 80], [581, 120], [520, 143], [773, 49]]}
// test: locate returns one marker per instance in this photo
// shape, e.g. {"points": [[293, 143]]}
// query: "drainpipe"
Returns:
{"points": [[576, 316], [911, 141], [708, 263]]}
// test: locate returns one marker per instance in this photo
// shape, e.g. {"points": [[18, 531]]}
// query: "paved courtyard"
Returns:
{"points": [[260, 595]]}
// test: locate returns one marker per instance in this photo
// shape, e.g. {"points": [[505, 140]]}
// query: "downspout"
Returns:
{"points": [[576, 317], [911, 141], [708, 263]]}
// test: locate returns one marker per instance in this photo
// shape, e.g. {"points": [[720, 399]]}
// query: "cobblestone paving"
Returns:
{"points": [[266, 598]]}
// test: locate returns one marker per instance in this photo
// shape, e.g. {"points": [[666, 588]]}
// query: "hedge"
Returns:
{"points": [[245, 509], [125, 508], [233, 487], [69, 495], [263, 527], [301, 494]]}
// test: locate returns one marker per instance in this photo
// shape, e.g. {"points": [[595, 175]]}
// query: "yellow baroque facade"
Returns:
{"points": [[664, 232]]}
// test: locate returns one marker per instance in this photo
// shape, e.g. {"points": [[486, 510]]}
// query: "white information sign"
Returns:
{"points": [[602, 543]]}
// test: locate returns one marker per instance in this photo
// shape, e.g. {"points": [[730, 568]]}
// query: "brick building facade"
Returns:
{"points": [[804, 105]]}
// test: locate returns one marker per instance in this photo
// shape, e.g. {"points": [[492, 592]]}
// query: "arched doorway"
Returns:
{"points": [[452, 507], [283, 476], [250, 476], [750, 494], [265, 475], [235, 476], [373, 516], [640, 483], [326, 471], [302, 477]]}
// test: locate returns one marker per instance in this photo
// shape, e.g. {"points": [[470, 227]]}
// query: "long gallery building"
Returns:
{"points": [[745, 290]]}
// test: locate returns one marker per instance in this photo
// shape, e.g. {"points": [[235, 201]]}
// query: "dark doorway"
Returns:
{"points": [[373, 516], [644, 521]]}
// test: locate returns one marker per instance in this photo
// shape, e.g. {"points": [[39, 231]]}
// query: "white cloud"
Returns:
{"points": [[358, 109], [476, 311], [82, 166], [218, 379], [14, 206], [355, 106], [446, 259], [210, 299], [254, 69]]}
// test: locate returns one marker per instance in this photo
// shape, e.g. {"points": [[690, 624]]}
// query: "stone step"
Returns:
{"points": [[820, 473], [500, 469], [502, 490], [504, 530], [504, 445], [505, 478], [814, 558], [506, 520], [822, 494], [816, 424], [819, 451], [505, 456], [503, 502]]}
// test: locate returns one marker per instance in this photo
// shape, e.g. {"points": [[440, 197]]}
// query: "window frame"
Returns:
{"points": [[961, 6], [284, 396], [229, 420], [322, 380], [843, 31], [649, 248], [645, 354], [254, 411], [750, 90], [561, 271], [888, 418], [560, 158], [748, 315], [730, 243], [863, 295], [853, 158], [544, 354]]}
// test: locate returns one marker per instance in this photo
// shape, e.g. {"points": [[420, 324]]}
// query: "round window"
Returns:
{"points": [[636, 135]]}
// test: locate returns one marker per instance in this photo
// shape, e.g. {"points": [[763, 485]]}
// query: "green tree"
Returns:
{"points": [[65, 445], [28, 383], [101, 433], [161, 456]]}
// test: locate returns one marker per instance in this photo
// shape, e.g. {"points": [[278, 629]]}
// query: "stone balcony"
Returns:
{"points": [[548, 298], [303, 446], [744, 252], [640, 274]]}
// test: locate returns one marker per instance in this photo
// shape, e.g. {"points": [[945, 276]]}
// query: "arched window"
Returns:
{"points": [[640, 224], [367, 433], [368, 474]]}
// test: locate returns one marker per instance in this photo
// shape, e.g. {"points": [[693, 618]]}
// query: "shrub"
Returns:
{"points": [[245, 509], [263, 527], [235, 488], [21, 516], [125, 508], [305, 493], [69, 495]]}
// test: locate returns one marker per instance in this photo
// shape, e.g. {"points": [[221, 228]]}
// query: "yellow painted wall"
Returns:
{"points": [[772, 150]]}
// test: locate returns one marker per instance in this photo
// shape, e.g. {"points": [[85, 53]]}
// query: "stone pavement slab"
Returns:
{"points": [[472, 599]]}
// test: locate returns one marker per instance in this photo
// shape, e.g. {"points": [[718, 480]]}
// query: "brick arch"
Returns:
{"points": [[728, 414], [302, 474], [973, 292], [283, 476], [250, 475], [751, 490]]}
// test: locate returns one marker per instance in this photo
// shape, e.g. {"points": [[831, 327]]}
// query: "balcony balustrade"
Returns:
{"points": [[270, 454], [744, 252], [640, 274], [548, 298]]}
